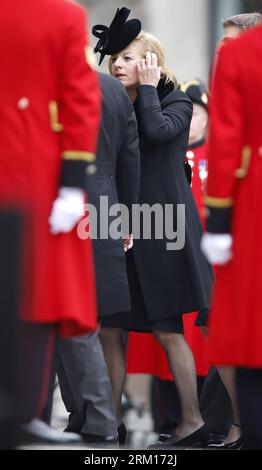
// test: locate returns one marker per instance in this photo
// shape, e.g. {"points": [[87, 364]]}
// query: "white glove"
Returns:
{"points": [[67, 210], [217, 247]]}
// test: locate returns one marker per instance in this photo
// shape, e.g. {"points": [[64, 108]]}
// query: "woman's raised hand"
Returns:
{"points": [[148, 71]]}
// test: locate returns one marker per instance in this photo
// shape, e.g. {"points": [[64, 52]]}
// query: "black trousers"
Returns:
{"points": [[215, 404], [249, 387], [10, 232], [26, 350], [36, 351]]}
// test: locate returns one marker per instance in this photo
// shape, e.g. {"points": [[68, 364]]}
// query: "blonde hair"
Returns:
{"points": [[243, 21], [150, 43]]}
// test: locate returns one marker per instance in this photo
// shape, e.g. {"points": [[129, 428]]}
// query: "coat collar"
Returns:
{"points": [[164, 88]]}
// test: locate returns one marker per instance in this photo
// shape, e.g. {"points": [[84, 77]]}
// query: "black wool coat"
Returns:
{"points": [[117, 176], [171, 282]]}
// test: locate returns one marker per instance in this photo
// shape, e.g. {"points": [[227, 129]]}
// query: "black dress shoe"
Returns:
{"points": [[122, 434], [97, 439], [199, 438]]}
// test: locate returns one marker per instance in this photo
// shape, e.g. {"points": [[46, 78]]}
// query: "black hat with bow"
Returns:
{"points": [[118, 35]]}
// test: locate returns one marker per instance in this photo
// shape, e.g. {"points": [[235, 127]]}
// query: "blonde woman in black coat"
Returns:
{"points": [[164, 284]]}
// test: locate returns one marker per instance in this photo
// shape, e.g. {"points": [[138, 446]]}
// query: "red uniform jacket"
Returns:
{"points": [[145, 355], [234, 200], [197, 158], [49, 119]]}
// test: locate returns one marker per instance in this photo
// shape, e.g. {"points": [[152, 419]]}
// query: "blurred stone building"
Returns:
{"points": [[188, 29]]}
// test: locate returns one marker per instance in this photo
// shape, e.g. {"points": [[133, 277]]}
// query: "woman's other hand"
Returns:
{"points": [[148, 71], [128, 242]]}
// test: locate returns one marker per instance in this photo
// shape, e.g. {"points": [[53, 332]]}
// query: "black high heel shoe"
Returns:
{"points": [[235, 445], [199, 438], [122, 434]]}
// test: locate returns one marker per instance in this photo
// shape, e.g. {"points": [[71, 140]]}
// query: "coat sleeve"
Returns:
{"points": [[162, 125], [128, 165], [80, 103], [226, 148]]}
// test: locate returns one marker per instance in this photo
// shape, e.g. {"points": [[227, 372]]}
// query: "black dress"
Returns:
{"points": [[165, 284]]}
